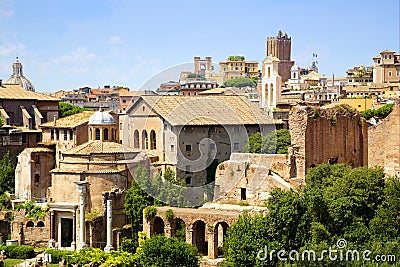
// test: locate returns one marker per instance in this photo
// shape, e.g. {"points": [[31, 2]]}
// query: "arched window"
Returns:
{"points": [[136, 139], [105, 134], [40, 224], [153, 141], [30, 224], [269, 72], [145, 143], [97, 134]]}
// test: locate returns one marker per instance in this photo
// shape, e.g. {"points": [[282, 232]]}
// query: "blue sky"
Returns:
{"points": [[67, 44]]}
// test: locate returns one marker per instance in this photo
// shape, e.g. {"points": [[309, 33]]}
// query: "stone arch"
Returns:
{"points": [[179, 229], [136, 139], [145, 143], [199, 237], [220, 229], [30, 224], [40, 224], [158, 226], [153, 140]]}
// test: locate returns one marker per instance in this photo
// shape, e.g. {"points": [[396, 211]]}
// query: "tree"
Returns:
{"points": [[7, 174], [136, 199], [65, 109], [160, 251], [240, 82], [380, 113], [276, 142]]}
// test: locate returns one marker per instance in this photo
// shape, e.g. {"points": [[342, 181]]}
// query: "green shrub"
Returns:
{"points": [[169, 215], [18, 251], [316, 114], [381, 112], [58, 255], [334, 120], [129, 245], [150, 212]]}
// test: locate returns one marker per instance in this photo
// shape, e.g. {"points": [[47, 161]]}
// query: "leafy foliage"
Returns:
{"points": [[240, 82], [5, 202], [169, 215], [380, 113], [7, 174], [276, 142], [236, 58], [97, 257], [161, 251], [66, 109], [129, 245], [336, 202], [18, 251], [32, 211], [150, 212]]}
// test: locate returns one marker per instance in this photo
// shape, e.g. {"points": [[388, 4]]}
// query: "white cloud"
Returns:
{"points": [[115, 40], [5, 9], [79, 55], [10, 49]]}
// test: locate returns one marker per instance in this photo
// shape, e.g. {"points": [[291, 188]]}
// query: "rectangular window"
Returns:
{"points": [[123, 100], [389, 73], [243, 193], [172, 148], [188, 180], [236, 147], [188, 148], [65, 135]]}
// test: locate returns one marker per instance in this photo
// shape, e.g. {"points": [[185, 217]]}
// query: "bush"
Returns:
{"points": [[150, 212], [18, 251], [58, 255], [161, 251], [169, 215], [129, 245], [381, 112]]}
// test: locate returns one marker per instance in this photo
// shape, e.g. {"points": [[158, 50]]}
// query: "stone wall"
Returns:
{"points": [[334, 134], [384, 143], [34, 232]]}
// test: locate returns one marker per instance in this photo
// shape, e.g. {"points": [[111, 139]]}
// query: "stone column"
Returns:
{"points": [[82, 205], [212, 245], [189, 236], [168, 231], [52, 226], [73, 243], [109, 245]]}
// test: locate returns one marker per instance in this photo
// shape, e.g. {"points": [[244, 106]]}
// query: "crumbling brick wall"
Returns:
{"points": [[334, 134], [384, 143]]}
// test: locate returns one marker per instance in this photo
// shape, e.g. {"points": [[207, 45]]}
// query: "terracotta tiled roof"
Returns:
{"points": [[131, 93], [71, 121], [207, 110], [14, 91], [98, 147]]}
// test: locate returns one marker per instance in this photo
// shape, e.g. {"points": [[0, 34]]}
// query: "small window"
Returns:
{"points": [[188, 148], [97, 134], [40, 224], [243, 193], [187, 169], [172, 148], [188, 180], [30, 224], [236, 146], [65, 135], [36, 179], [212, 146], [123, 100], [389, 73], [105, 134]]}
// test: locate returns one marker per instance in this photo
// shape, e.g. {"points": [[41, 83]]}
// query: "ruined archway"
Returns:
{"points": [[219, 237], [158, 227], [179, 229], [199, 237]]}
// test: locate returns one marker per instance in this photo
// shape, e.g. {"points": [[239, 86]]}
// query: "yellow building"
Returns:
{"points": [[237, 67], [360, 104], [387, 67]]}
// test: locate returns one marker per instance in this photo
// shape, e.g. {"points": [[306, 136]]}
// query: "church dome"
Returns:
{"points": [[18, 78], [101, 118]]}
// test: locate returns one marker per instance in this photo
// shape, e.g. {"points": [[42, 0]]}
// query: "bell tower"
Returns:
{"points": [[281, 47]]}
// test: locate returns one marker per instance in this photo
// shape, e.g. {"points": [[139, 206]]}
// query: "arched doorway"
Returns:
{"points": [[179, 229], [158, 226], [219, 237], [199, 237]]}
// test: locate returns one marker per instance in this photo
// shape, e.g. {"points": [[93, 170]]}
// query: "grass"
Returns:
{"points": [[11, 262]]}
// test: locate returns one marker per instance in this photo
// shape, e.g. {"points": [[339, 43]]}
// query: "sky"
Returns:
{"points": [[67, 44]]}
